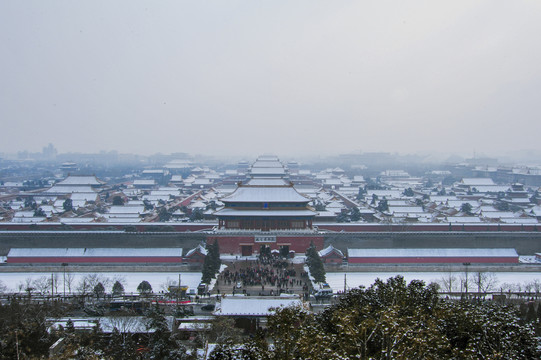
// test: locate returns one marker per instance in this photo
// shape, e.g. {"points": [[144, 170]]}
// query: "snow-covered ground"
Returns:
{"points": [[356, 279], [159, 280], [130, 280]]}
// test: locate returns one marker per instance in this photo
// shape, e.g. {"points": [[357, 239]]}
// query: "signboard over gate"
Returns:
{"points": [[264, 238]]}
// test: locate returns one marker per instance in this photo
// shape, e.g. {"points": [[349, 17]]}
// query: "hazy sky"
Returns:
{"points": [[284, 77]]}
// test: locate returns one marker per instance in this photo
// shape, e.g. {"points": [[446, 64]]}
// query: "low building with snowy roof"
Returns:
{"points": [[144, 184], [82, 180], [477, 182], [387, 194], [331, 255], [94, 255], [325, 216], [107, 324], [463, 219], [176, 180], [196, 255], [433, 256], [520, 220], [75, 184], [254, 306]]}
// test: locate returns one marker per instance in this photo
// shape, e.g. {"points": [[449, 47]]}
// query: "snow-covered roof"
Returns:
{"points": [[267, 182], [326, 214], [95, 252], [269, 194], [267, 171], [76, 220], [126, 210], [271, 213], [519, 220], [202, 181], [491, 189], [122, 219], [80, 196], [459, 252], [267, 162], [24, 214], [254, 305], [144, 182], [463, 219], [328, 250], [388, 194], [197, 205], [405, 209], [477, 181], [81, 180], [154, 171], [200, 248], [333, 181], [127, 324], [70, 189], [499, 214]]}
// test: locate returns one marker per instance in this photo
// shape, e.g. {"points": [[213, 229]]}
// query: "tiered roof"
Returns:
{"points": [[265, 193]]}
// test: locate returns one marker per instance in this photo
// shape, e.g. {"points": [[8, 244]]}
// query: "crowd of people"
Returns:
{"points": [[278, 275]]}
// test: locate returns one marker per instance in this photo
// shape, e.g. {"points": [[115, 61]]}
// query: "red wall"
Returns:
{"points": [[232, 244]]}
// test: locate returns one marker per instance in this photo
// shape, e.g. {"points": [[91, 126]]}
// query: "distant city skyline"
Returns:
{"points": [[310, 78]]}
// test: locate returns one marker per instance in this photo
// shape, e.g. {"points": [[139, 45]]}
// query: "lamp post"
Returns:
{"points": [[466, 264], [64, 267]]}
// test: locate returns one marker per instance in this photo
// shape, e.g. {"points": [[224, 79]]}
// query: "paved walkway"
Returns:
{"points": [[258, 278]]}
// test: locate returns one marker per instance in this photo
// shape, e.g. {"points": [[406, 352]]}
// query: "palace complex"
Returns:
{"points": [[266, 211]]}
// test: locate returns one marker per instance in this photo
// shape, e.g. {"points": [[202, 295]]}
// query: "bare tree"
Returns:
{"points": [[536, 287], [42, 284], [485, 282], [528, 287], [54, 280], [448, 282], [465, 282], [27, 285], [70, 281], [126, 324], [83, 287], [167, 284], [3, 287]]}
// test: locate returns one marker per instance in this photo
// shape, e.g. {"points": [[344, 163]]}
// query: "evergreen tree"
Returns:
{"points": [[383, 206], [315, 264], [355, 214], [163, 214], [144, 288], [212, 263], [466, 208], [361, 194], [118, 288], [67, 205], [395, 320], [162, 343], [215, 254], [530, 314], [99, 290], [408, 192], [342, 217]]}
